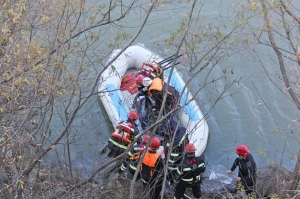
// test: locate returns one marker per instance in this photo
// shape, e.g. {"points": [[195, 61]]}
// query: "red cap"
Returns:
{"points": [[189, 148], [133, 115], [242, 150], [139, 80], [155, 143]]}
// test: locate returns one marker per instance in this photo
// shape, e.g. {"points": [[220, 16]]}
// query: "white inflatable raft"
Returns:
{"points": [[118, 103]]}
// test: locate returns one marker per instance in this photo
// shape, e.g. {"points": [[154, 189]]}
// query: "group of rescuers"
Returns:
{"points": [[185, 169]]}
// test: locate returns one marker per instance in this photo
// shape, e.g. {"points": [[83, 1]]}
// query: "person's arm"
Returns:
{"points": [[202, 165], [135, 133], [234, 165]]}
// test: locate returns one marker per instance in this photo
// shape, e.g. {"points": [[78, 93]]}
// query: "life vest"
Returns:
{"points": [[151, 70], [123, 132], [149, 162], [157, 84]]}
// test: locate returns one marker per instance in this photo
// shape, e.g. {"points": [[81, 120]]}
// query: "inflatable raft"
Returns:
{"points": [[117, 97]]}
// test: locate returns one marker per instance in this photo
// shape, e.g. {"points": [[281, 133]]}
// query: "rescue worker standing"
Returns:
{"points": [[131, 160], [190, 171], [177, 149], [123, 135], [247, 169], [152, 169]]}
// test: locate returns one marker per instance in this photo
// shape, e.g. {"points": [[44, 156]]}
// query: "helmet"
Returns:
{"points": [[242, 150], [145, 138], [155, 143], [147, 81], [189, 148], [139, 80], [133, 115]]}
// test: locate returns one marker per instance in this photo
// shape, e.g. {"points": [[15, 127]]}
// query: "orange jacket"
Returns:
{"points": [[157, 84], [149, 163]]}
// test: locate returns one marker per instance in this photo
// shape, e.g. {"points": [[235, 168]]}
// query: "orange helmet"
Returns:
{"points": [[133, 115], [189, 148], [145, 138], [155, 143], [242, 150], [139, 80]]}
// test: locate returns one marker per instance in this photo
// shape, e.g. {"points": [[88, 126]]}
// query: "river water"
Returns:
{"points": [[251, 114]]}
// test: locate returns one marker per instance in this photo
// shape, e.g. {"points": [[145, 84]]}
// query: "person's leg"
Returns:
{"points": [[157, 187], [179, 190], [196, 191], [248, 186]]}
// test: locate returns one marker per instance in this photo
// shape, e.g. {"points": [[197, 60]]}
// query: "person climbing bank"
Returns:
{"points": [[247, 169], [123, 135], [133, 156], [190, 173], [152, 169]]}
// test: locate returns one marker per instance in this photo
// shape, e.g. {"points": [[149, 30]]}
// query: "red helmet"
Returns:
{"points": [[242, 150], [155, 143], [133, 115], [145, 138], [139, 80], [189, 148]]}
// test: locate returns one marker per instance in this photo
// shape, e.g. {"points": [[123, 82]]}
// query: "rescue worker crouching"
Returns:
{"points": [[156, 91], [131, 160], [189, 171], [142, 90], [123, 135], [247, 169], [152, 169]]}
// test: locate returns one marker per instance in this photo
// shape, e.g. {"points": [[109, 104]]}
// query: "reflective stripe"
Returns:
{"points": [[172, 168], [117, 144], [132, 167], [179, 172], [123, 168], [172, 161], [138, 135], [187, 180], [182, 139], [144, 181], [191, 179], [187, 169], [201, 165], [174, 154]]}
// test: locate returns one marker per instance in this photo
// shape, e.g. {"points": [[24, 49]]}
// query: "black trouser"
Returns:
{"points": [[249, 185], [182, 186], [132, 171], [155, 187], [172, 173]]}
